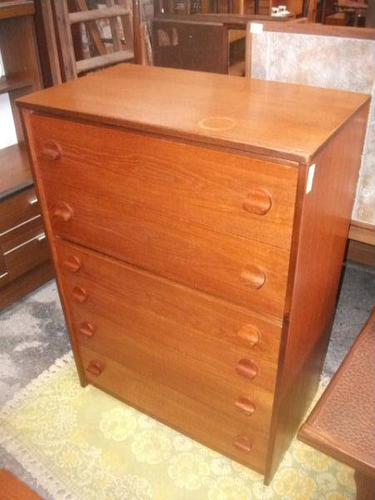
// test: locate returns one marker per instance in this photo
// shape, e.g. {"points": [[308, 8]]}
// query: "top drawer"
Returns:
{"points": [[18, 209], [159, 179]]}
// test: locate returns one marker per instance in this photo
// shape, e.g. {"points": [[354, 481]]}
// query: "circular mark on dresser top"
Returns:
{"points": [[217, 123]]}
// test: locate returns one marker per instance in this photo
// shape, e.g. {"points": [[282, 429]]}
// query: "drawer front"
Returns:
{"points": [[233, 438], [173, 209], [18, 209], [179, 337], [159, 179], [24, 252]]}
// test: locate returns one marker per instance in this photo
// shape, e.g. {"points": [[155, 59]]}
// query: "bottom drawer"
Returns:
{"points": [[226, 435], [23, 252]]}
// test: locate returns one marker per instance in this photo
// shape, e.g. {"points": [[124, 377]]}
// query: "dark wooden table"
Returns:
{"points": [[342, 425]]}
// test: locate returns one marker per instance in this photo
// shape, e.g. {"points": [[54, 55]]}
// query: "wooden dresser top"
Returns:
{"points": [[275, 119]]}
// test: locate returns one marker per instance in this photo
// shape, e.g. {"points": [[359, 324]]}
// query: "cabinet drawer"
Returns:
{"points": [[25, 252], [176, 336], [173, 209], [204, 318], [216, 430], [18, 209], [165, 182]]}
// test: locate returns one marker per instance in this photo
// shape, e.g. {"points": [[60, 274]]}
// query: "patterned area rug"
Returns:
{"points": [[83, 444]]}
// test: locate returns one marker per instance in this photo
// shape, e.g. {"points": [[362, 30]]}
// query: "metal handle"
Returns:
{"points": [[40, 237], [4, 275], [33, 201]]}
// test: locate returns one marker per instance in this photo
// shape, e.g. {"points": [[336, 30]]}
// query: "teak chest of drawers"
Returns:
{"points": [[198, 244]]}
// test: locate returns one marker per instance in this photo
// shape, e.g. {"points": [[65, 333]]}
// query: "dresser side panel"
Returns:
{"points": [[320, 240]]}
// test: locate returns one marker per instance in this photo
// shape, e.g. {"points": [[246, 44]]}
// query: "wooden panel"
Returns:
{"points": [[176, 231], [176, 410], [361, 253], [210, 320], [364, 233], [194, 46], [325, 218], [226, 111], [9, 84], [11, 9], [18, 209], [19, 54], [230, 194], [19, 233], [167, 331], [15, 171], [30, 250], [25, 284]]}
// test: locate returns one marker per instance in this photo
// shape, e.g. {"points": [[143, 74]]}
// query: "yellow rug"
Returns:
{"points": [[83, 444]]}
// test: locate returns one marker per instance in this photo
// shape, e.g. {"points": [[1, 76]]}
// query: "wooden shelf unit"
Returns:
{"points": [[9, 84], [24, 254]]}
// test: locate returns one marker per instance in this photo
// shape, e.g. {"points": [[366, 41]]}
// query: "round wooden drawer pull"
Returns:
{"points": [[79, 294], [250, 334], [245, 405], [87, 329], [72, 264], [243, 443], [52, 151], [246, 368], [258, 202], [253, 277], [95, 367], [63, 212]]}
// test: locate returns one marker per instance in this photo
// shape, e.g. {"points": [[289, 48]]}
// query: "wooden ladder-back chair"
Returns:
{"points": [[124, 25]]}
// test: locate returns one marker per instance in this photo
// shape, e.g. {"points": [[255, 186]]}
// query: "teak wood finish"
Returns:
{"points": [[197, 272]]}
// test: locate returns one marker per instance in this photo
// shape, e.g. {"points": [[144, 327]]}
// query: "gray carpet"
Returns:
{"points": [[33, 336]]}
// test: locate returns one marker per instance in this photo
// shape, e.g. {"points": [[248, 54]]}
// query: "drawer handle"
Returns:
{"points": [[4, 275], [79, 294], [41, 237], [253, 276], [250, 333], [246, 368], [243, 443], [33, 201], [63, 211], [258, 202], [95, 367], [38, 238], [245, 405], [72, 264], [52, 151], [87, 329]]}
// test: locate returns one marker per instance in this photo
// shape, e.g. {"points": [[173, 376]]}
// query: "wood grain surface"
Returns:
{"points": [[174, 408], [160, 213], [325, 220], [282, 120]]}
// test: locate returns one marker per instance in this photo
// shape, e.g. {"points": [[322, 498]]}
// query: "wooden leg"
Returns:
{"points": [[365, 486]]}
